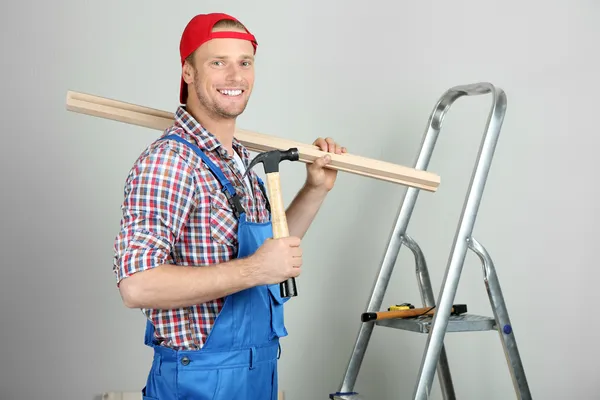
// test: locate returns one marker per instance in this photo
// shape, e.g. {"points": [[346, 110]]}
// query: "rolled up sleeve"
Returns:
{"points": [[158, 196]]}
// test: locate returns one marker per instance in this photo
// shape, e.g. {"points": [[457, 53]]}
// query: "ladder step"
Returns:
{"points": [[456, 323]]}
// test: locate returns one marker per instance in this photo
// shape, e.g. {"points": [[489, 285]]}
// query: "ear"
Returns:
{"points": [[187, 72]]}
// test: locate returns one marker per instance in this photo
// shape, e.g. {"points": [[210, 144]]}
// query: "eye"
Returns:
{"points": [[217, 63]]}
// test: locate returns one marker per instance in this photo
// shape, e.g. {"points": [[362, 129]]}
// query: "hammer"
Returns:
{"points": [[270, 161]]}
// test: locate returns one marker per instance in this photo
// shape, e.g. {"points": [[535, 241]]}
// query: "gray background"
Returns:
{"points": [[368, 75]]}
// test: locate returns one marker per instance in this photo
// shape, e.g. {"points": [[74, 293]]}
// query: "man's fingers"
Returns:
{"points": [[333, 147], [330, 145], [293, 241], [297, 252], [321, 143], [297, 263]]}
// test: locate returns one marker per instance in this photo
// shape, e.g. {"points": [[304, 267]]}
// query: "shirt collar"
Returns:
{"points": [[204, 139]]}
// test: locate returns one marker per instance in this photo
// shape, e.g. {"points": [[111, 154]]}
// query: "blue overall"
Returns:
{"points": [[239, 358]]}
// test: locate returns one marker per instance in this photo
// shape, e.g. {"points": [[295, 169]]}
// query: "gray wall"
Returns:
{"points": [[366, 75]]}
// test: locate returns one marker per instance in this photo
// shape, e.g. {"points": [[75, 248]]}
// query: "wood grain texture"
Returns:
{"points": [[279, 220], [258, 142]]}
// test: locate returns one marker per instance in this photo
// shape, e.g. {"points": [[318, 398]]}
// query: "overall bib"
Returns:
{"points": [[239, 358]]}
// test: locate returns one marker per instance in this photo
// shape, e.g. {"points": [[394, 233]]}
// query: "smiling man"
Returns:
{"points": [[195, 250]]}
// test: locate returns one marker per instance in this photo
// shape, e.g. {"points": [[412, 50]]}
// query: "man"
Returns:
{"points": [[195, 249]]}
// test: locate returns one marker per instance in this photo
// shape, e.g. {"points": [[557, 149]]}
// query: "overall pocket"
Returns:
{"points": [[198, 383], [277, 310]]}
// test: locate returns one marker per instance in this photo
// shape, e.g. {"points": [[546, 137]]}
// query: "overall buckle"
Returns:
{"points": [[235, 203]]}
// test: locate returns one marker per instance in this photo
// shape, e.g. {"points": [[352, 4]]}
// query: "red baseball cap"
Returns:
{"points": [[199, 31]]}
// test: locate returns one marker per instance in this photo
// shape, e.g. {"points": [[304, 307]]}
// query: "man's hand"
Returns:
{"points": [[275, 261], [317, 176]]}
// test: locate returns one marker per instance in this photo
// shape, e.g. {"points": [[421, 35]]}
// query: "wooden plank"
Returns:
{"points": [[157, 119]]}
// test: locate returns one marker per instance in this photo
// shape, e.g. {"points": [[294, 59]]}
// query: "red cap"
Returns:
{"points": [[199, 31]]}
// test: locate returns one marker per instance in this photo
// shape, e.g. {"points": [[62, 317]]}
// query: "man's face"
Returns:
{"points": [[223, 76]]}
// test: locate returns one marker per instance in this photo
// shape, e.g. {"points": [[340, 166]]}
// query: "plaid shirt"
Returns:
{"points": [[175, 211]]}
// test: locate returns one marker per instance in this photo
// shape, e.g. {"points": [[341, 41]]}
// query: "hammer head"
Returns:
{"points": [[271, 159]]}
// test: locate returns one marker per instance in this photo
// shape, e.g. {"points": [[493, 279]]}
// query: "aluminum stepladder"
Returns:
{"points": [[436, 326]]}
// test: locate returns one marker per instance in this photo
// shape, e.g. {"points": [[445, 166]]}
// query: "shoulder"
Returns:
{"points": [[165, 162], [168, 146]]}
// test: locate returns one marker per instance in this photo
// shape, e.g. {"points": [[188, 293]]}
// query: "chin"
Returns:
{"points": [[232, 106], [232, 113]]}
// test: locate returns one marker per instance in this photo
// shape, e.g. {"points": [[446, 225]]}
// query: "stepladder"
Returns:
{"points": [[435, 325]]}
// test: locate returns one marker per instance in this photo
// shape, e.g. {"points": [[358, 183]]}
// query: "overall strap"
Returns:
{"points": [[264, 192], [230, 193]]}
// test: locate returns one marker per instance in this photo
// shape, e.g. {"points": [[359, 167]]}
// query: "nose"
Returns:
{"points": [[234, 72]]}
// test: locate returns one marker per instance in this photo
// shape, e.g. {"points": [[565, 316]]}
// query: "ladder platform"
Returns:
{"points": [[456, 323]]}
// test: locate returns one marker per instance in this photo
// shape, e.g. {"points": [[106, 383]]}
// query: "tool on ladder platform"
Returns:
{"points": [[442, 321], [270, 161], [457, 309], [405, 306]]}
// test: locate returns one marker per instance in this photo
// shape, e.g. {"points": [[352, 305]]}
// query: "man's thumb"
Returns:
{"points": [[320, 162]]}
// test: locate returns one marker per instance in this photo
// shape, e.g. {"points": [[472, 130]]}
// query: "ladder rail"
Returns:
{"points": [[428, 300], [464, 230], [391, 253], [505, 328]]}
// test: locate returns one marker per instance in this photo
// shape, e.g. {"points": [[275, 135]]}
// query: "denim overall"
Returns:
{"points": [[239, 358]]}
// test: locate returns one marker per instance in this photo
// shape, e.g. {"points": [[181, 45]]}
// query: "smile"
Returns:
{"points": [[231, 92]]}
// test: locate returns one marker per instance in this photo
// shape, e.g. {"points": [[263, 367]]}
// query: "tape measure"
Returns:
{"points": [[403, 306]]}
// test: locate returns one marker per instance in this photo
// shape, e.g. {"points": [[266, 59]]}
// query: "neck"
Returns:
{"points": [[222, 128]]}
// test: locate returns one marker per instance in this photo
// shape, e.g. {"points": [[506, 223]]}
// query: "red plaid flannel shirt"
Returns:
{"points": [[175, 211]]}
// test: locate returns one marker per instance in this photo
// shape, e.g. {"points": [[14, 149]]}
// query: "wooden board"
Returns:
{"points": [[157, 119]]}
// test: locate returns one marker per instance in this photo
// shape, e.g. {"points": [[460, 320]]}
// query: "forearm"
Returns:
{"points": [[171, 286], [303, 209]]}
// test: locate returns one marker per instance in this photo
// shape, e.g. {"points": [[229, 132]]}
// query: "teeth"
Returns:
{"points": [[231, 92]]}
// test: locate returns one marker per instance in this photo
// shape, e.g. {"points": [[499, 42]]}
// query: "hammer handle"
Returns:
{"points": [[280, 226]]}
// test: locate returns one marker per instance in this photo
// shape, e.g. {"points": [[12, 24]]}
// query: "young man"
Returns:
{"points": [[203, 267]]}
